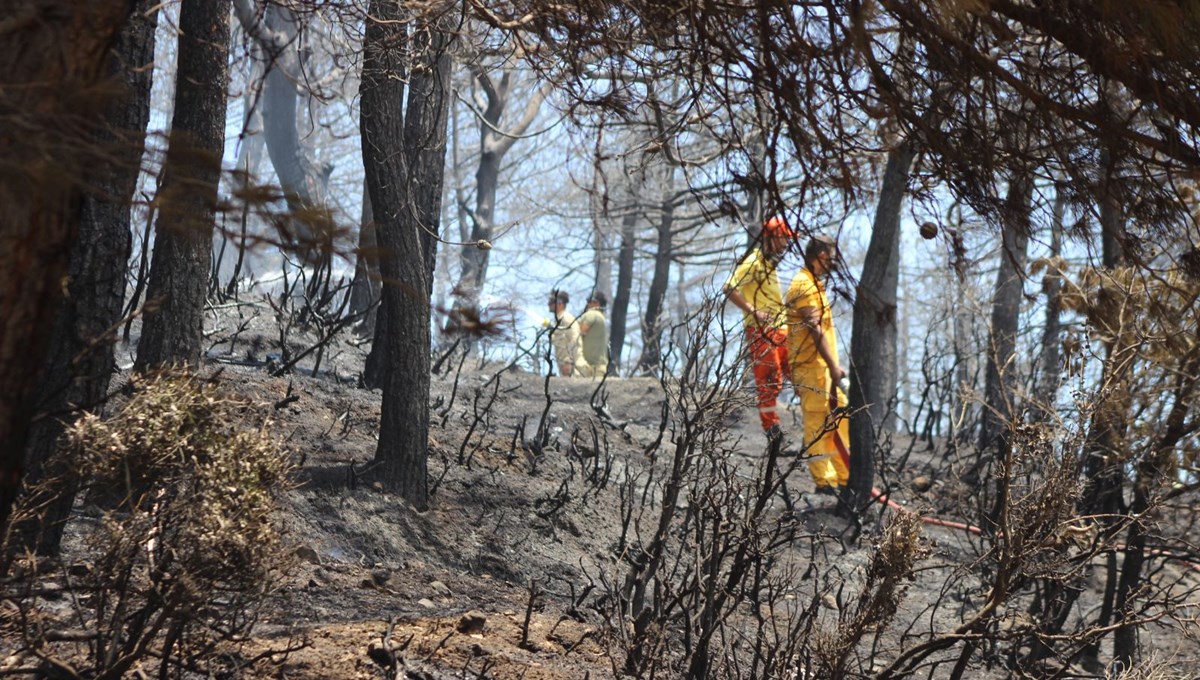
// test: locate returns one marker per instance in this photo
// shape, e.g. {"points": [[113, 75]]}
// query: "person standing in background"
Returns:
{"points": [[593, 331], [564, 335]]}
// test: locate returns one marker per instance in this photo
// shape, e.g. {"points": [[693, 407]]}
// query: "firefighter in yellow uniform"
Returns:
{"points": [[815, 368]]}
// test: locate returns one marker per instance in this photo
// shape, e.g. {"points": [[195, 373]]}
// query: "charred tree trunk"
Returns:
{"points": [[602, 256], [962, 407], [494, 144], [873, 345], [426, 123], [1048, 373], [80, 359], [364, 291], [995, 439], [1006, 307], [1151, 470], [406, 198], [175, 296], [474, 261], [384, 74], [1104, 448], [249, 159], [654, 320], [375, 368], [620, 307], [1103, 455], [52, 60]]}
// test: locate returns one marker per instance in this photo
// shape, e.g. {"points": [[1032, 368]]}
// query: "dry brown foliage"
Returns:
{"points": [[182, 549]]}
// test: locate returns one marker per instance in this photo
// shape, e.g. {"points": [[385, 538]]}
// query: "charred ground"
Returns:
{"points": [[528, 560]]}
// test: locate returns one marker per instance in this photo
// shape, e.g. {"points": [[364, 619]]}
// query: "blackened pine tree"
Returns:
{"points": [[873, 362], [79, 360], [364, 290], [655, 320], [404, 154], [995, 440], [53, 53], [620, 308], [175, 296]]}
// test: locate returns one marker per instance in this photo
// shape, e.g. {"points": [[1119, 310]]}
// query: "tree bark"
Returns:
{"points": [[1048, 373], [653, 322], [406, 191], [602, 256], [53, 53], [996, 434], [1112, 227], [375, 367], [1152, 469], [275, 27], [873, 362], [175, 296], [494, 144], [382, 90], [364, 290], [620, 307], [80, 359], [249, 158], [1104, 446]]}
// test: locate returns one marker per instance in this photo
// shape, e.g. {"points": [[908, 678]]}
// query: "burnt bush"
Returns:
{"points": [[177, 549]]}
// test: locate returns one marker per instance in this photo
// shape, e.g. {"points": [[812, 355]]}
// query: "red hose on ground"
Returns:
{"points": [[883, 498], [877, 495]]}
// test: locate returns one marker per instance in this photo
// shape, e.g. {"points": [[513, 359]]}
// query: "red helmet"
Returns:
{"points": [[777, 226]]}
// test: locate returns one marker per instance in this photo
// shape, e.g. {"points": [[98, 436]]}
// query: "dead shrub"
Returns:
{"points": [[890, 570], [184, 552]]}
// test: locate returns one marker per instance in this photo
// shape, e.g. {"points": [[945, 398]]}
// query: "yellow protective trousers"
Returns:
{"points": [[826, 431]]}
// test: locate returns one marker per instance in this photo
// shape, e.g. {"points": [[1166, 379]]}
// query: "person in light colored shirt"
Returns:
{"points": [[593, 332], [564, 335]]}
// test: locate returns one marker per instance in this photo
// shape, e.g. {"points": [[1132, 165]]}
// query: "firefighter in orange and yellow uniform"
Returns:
{"points": [[754, 288]]}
